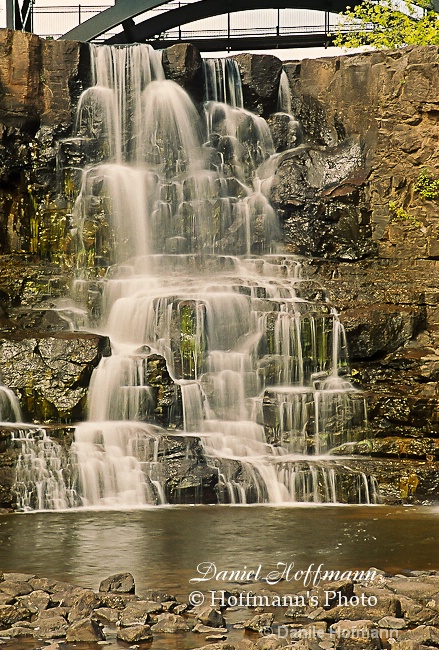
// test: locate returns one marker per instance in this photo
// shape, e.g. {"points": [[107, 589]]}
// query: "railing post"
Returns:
{"points": [[10, 14], [179, 27], [278, 23], [79, 14], [228, 31], [326, 22]]}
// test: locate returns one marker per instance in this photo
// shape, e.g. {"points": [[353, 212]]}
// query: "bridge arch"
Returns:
{"points": [[124, 11]]}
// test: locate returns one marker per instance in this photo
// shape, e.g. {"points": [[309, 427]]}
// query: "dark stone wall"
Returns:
{"points": [[40, 82]]}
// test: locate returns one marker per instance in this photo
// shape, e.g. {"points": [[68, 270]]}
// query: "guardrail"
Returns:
{"points": [[53, 21]]}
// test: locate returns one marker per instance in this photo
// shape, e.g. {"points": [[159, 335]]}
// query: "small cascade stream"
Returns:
{"points": [[175, 214]]}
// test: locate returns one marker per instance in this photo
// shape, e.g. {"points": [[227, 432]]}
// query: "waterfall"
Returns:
{"points": [[174, 218], [9, 406]]}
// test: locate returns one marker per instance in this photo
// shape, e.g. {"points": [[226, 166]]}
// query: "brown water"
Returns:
{"points": [[162, 547]]}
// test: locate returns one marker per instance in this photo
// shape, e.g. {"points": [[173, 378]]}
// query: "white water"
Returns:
{"points": [[194, 276]]}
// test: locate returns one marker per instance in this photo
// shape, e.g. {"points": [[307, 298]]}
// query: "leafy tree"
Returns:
{"points": [[389, 24]]}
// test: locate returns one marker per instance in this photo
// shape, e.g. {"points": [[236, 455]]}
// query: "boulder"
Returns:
{"points": [[385, 606], [51, 626], [10, 614], [51, 373], [85, 630], [83, 606], [260, 623], [120, 583], [15, 588], [423, 634], [36, 601], [135, 633], [260, 76], [209, 616], [136, 613], [170, 623], [183, 64]]}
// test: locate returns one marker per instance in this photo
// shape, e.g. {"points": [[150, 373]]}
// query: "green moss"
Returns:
{"points": [[398, 213], [192, 343], [426, 186]]}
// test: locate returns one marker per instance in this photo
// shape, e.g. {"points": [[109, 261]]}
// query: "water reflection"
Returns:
{"points": [[163, 546]]}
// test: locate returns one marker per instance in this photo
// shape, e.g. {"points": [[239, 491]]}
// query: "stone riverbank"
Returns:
{"points": [[359, 610]]}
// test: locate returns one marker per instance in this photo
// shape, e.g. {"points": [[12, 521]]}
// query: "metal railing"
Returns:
{"points": [[53, 21]]}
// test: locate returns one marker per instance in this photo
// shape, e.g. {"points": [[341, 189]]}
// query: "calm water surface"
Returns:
{"points": [[162, 547]]}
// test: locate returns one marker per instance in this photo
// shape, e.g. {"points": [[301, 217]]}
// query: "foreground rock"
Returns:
{"points": [[341, 614]]}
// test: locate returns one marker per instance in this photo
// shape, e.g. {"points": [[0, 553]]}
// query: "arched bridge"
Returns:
{"points": [[151, 29]]}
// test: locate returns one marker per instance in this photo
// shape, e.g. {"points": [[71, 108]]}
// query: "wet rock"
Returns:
{"points": [[167, 409], [209, 616], [379, 329], [170, 623], [271, 642], [136, 613], [135, 633], [385, 606], [52, 626], [424, 635], [17, 632], [18, 577], [152, 607], [260, 75], [260, 622], [115, 600], [392, 623], [85, 630], [329, 593], [321, 202], [83, 606], [245, 644], [43, 584], [15, 588], [159, 596], [35, 601], [420, 588], [107, 614], [121, 583], [10, 614], [51, 374], [392, 447], [64, 596], [285, 131], [407, 645], [417, 614], [206, 629], [218, 646]]}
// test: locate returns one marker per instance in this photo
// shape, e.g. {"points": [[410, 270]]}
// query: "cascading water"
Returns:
{"points": [[172, 205]]}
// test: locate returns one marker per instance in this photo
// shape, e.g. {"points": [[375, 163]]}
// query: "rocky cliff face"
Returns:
{"points": [[372, 233], [366, 127]]}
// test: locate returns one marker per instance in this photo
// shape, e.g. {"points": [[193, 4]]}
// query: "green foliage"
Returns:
{"points": [[400, 213], [388, 25], [426, 186]]}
